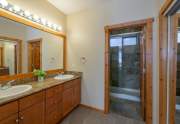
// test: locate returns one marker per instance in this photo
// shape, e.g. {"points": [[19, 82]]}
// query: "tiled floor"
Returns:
{"points": [[125, 107], [83, 115], [177, 117]]}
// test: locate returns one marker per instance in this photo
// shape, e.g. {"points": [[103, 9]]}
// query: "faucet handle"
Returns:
{"points": [[10, 83]]}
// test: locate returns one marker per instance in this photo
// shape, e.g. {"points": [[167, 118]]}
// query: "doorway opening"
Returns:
{"points": [[128, 70], [34, 54], [10, 56]]}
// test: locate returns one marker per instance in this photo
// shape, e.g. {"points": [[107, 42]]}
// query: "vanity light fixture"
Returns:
{"points": [[26, 14]]}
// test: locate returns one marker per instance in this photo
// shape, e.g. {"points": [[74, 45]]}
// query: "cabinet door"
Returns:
{"points": [[13, 119], [67, 100], [33, 114], [59, 113], [77, 92]]}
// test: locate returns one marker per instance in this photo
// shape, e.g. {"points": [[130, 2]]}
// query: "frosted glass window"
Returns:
{"points": [[129, 41], [116, 41]]}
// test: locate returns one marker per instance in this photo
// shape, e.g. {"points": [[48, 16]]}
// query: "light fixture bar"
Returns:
{"points": [[26, 14]]}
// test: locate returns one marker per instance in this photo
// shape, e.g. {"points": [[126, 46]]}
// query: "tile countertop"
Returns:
{"points": [[37, 87]]}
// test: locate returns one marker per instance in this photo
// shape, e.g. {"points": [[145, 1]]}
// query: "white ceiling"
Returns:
{"points": [[73, 6]]}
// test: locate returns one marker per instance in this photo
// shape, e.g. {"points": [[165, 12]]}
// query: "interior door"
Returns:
{"points": [[142, 67], [34, 57]]}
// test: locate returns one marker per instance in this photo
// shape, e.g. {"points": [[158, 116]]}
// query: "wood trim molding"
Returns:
{"points": [[165, 6], [163, 46], [148, 24], [139, 23], [19, 50], [173, 68]]}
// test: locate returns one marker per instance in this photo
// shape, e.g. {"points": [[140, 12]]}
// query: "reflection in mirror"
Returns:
{"points": [[23, 49], [8, 57]]}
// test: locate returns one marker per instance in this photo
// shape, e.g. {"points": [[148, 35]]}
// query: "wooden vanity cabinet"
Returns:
{"points": [[71, 95], [45, 107]]}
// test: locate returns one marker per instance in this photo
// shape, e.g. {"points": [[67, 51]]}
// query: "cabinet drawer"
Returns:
{"points": [[8, 110], [31, 100]]}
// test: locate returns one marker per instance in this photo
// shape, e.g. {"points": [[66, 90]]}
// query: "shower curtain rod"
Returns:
{"points": [[123, 34]]}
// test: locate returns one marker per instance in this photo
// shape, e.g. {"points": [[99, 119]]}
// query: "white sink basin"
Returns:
{"points": [[64, 77], [14, 90]]}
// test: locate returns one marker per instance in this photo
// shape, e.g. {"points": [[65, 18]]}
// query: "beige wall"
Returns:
{"points": [[43, 9], [86, 38]]}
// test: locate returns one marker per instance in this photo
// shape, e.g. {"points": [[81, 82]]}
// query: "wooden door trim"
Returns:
{"points": [[2, 54], [163, 53], [19, 50], [32, 41], [148, 53]]}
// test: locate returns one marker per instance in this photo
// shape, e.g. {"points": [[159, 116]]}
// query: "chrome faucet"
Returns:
{"points": [[7, 85]]}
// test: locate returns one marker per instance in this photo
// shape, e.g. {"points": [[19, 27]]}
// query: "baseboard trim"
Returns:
{"points": [[93, 108]]}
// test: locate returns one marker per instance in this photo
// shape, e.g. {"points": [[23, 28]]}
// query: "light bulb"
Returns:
{"points": [[36, 18], [59, 28], [27, 13], [22, 13], [4, 3], [43, 21], [10, 9], [54, 26], [16, 8], [49, 24]]}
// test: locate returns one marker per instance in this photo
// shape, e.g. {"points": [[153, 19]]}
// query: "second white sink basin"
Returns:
{"points": [[14, 90], [64, 77]]}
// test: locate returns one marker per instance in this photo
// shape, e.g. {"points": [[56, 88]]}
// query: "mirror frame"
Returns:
{"points": [[19, 19]]}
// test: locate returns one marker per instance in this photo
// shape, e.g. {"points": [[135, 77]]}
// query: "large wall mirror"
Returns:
{"points": [[24, 48]]}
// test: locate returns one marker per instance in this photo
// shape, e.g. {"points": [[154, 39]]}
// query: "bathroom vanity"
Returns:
{"points": [[28, 45], [47, 102]]}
